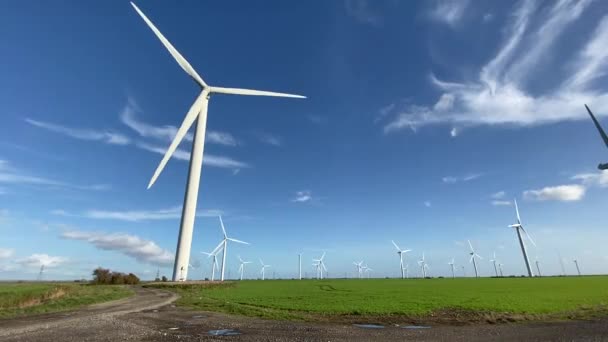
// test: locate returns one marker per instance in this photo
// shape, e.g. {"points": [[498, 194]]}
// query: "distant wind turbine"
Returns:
{"points": [[500, 268], [300, 265], [451, 263], [519, 228], [400, 252], [225, 248], [473, 255], [578, 270], [359, 266], [264, 267], [197, 111], [423, 265], [320, 264], [538, 267], [242, 267], [493, 261], [214, 255]]}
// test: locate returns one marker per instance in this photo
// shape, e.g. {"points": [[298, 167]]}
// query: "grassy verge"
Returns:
{"points": [[17, 299], [388, 300]]}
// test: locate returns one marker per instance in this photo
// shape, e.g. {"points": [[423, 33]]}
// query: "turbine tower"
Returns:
{"points": [[493, 261], [602, 134], [578, 270], [359, 266], [500, 268], [225, 247], [300, 265], [473, 255], [242, 267], [41, 272], [214, 255], [263, 269], [320, 266], [400, 252], [519, 228], [198, 112], [538, 267], [451, 263], [423, 266]]}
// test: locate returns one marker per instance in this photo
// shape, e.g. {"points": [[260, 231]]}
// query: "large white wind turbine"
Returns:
{"points": [[197, 111], [473, 255], [320, 265], [451, 263], [519, 228], [263, 271], [401, 252], [493, 261], [225, 247], [242, 267], [214, 255]]}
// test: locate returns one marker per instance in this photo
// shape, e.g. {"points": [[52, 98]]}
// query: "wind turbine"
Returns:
{"points": [[493, 261], [500, 268], [320, 266], [367, 270], [578, 270], [225, 242], [401, 252], [538, 267], [359, 266], [263, 268], [242, 267], [300, 265], [41, 272], [406, 267], [197, 111], [473, 255], [214, 255], [451, 263], [519, 228], [423, 266], [602, 134]]}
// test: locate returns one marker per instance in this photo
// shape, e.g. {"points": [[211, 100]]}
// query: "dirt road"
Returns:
{"points": [[149, 316]]}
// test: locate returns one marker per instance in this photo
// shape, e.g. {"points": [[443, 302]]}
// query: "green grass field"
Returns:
{"points": [[520, 298], [18, 299]]}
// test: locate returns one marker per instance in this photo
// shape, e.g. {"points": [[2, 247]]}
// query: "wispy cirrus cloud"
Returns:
{"points": [[107, 137], [12, 175], [501, 203], [500, 95], [142, 250], [498, 199], [37, 260], [565, 193], [466, 178], [302, 196], [270, 139], [136, 215], [449, 12]]}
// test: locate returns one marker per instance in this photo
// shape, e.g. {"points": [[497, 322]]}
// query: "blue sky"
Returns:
{"points": [[423, 121]]}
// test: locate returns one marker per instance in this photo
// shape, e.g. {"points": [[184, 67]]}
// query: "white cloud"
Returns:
{"points": [[303, 196], [466, 178], [593, 179], [167, 132], [11, 175], [498, 195], [449, 12], [144, 251], [208, 159], [6, 253], [82, 134], [270, 139], [137, 215], [572, 192], [363, 11], [454, 132], [500, 96], [501, 203], [487, 17], [37, 260]]}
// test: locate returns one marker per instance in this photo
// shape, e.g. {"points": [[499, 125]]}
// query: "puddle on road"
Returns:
{"points": [[224, 332], [369, 326], [198, 316], [173, 328], [416, 327]]}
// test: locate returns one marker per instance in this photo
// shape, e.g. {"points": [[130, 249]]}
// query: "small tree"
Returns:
{"points": [[164, 279], [102, 276]]}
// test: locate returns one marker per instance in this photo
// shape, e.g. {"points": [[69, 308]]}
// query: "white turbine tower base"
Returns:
{"points": [[519, 228], [400, 252], [473, 255], [198, 112]]}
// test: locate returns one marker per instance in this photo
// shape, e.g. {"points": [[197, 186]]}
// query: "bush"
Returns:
{"points": [[102, 276], [164, 279]]}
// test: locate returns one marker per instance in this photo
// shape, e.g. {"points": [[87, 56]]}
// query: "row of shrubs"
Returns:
{"points": [[103, 276]]}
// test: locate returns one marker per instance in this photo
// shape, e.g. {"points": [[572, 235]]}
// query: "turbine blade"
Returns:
{"points": [[324, 268], [529, 237], [222, 224], [239, 91], [261, 262], [479, 256], [218, 248], [191, 116], [238, 241], [471, 260], [394, 244], [597, 125], [322, 256], [469, 241], [178, 57], [517, 211]]}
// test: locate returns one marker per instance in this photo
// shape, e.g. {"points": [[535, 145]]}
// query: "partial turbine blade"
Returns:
{"points": [[222, 224], [218, 248], [178, 57], [471, 260], [238, 241], [479, 256], [181, 133], [239, 91], [469, 241], [597, 125], [517, 210], [394, 244], [529, 237]]}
